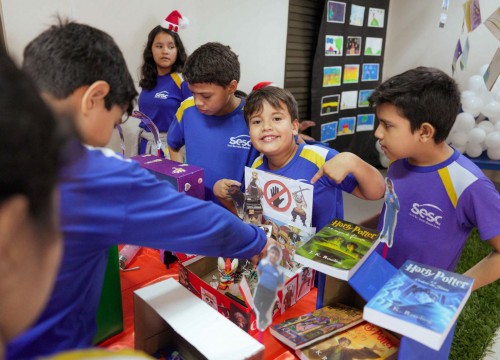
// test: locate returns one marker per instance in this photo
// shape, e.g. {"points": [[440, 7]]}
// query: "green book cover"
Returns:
{"points": [[338, 249]]}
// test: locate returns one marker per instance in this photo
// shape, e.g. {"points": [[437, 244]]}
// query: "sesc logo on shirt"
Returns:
{"points": [[240, 142], [427, 213], [161, 95]]}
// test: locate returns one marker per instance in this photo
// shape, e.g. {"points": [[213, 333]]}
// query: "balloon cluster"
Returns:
{"points": [[477, 128]]}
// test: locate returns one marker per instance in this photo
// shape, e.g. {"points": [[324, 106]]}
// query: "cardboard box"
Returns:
{"points": [[166, 314], [195, 274], [185, 178]]}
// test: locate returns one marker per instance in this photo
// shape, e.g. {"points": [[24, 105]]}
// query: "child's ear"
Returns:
{"points": [[295, 127], [427, 132], [94, 95], [233, 86]]}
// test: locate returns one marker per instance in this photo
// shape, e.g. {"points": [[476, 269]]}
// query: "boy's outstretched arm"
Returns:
{"points": [[222, 190], [371, 185], [487, 270]]}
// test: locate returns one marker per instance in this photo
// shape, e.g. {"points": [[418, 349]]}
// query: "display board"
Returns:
{"points": [[347, 67]]}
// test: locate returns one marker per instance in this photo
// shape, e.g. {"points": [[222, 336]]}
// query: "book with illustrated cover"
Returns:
{"points": [[421, 302], [304, 330], [363, 341], [338, 249]]}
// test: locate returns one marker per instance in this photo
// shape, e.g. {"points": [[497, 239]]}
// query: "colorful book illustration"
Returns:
{"points": [[338, 249], [363, 341], [307, 329], [421, 302]]}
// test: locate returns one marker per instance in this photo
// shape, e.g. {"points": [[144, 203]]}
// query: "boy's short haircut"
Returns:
{"points": [[275, 96], [69, 55], [30, 143], [422, 95], [212, 63]]}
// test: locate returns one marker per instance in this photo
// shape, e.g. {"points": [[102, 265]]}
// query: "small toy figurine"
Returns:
{"points": [[227, 270]]}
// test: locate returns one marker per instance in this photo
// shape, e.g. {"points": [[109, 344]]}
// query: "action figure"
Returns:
{"points": [[227, 270]]}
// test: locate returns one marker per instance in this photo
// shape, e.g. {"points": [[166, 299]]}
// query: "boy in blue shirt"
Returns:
{"points": [[106, 200], [272, 116], [211, 124]]}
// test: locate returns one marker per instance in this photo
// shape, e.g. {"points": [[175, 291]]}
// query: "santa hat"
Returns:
{"points": [[174, 20], [263, 84]]}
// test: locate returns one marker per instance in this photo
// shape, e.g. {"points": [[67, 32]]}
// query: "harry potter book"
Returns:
{"points": [[421, 302], [363, 341], [338, 249], [299, 332]]}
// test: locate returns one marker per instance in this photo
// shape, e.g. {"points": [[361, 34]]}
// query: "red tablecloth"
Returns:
{"points": [[153, 270]]}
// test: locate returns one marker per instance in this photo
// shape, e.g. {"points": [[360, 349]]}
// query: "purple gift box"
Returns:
{"points": [[186, 178]]}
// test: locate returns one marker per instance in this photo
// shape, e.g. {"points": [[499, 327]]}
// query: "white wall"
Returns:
{"points": [[414, 37], [255, 29]]}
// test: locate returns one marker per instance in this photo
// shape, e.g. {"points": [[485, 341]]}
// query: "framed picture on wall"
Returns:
{"points": [[370, 72], [332, 76], [363, 97], [334, 45], [336, 12], [329, 131], [330, 104], [373, 46], [376, 17], [357, 15], [366, 122], [349, 100], [346, 126], [353, 46], [351, 73]]}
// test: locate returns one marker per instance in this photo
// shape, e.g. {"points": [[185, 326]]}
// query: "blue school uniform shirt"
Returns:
{"points": [[161, 102], [219, 144], [104, 201], [327, 198], [438, 207]]}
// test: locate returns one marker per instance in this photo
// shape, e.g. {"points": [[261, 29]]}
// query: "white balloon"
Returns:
{"points": [[464, 122], [460, 149], [477, 135], [472, 105], [459, 138], [467, 94], [378, 147], [496, 95], [494, 120], [486, 126], [384, 161], [493, 154], [491, 109], [483, 69], [476, 83], [492, 140], [497, 126], [473, 150]]}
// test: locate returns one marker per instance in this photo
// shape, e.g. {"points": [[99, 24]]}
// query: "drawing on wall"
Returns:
{"points": [[334, 45], [349, 100], [330, 104], [373, 46], [366, 122], [328, 131], [332, 76], [346, 126], [363, 98], [336, 12], [353, 46], [376, 17], [351, 73], [357, 15], [370, 72]]}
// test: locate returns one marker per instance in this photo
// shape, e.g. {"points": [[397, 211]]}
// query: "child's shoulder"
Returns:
{"points": [[316, 154]]}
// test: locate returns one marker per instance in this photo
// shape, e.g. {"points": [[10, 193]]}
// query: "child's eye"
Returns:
{"points": [[171, 47], [276, 118], [255, 122]]}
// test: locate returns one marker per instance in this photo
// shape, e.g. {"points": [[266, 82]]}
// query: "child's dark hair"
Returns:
{"points": [[30, 143], [212, 63], [275, 96], [422, 95], [149, 70], [69, 55]]}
